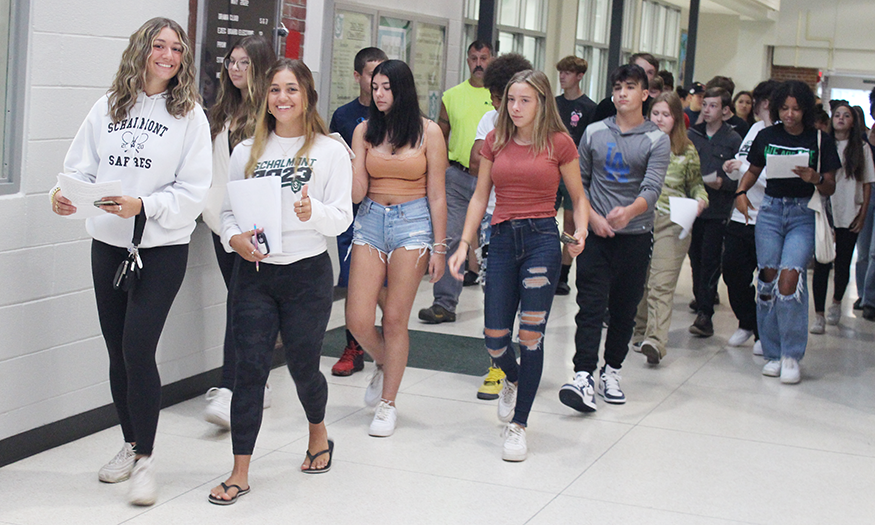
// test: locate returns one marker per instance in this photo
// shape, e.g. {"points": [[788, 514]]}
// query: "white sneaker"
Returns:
{"points": [[218, 412], [740, 337], [834, 314], [268, 396], [758, 347], [143, 488], [515, 448], [609, 386], [819, 325], [119, 468], [375, 388], [790, 372], [772, 369], [383, 424], [507, 401]]}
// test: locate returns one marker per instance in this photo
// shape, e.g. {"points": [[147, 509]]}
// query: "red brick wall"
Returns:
{"points": [[808, 75], [294, 16]]}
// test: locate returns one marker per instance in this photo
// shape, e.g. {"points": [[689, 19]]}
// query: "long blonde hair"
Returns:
{"points": [[313, 123], [130, 79], [678, 135], [547, 120]]}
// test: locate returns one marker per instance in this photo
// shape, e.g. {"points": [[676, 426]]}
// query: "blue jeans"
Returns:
{"points": [[784, 241], [866, 258], [387, 228], [523, 271], [460, 187]]}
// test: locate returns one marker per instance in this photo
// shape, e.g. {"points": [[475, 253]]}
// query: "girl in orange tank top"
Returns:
{"points": [[398, 175]]}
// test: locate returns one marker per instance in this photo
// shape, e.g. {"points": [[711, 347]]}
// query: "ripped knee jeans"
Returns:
{"points": [[784, 242], [524, 263]]}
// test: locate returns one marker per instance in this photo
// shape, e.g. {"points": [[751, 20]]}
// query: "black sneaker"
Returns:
{"points": [[858, 304], [436, 314], [563, 288], [702, 326], [470, 278], [694, 306], [869, 313]]}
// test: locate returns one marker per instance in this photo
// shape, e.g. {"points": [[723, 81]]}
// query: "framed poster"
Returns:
{"points": [[352, 32]]}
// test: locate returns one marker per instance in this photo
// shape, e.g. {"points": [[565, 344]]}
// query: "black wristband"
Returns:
{"points": [[818, 183], [742, 192]]}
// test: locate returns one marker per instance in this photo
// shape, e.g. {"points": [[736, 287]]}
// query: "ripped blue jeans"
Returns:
{"points": [[784, 241], [523, 271]]}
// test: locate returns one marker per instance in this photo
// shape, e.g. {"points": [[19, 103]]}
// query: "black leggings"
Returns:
{"points": [[226, 265], [131, 323], [845, 241], [295, 301]]}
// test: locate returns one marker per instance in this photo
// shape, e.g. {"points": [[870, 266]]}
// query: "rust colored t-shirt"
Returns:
{"points": [[526, 184]]}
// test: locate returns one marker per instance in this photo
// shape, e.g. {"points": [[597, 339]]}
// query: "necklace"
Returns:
{"points": [[285, 150]]}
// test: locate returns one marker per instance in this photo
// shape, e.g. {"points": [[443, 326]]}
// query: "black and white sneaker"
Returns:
{"points": [[609, 386], [579, 394]]}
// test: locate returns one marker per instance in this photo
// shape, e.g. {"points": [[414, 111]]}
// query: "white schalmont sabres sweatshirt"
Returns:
{"points": [[327, 172], [164, 160]]}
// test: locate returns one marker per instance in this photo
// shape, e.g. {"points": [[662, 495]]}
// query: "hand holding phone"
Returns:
{"points": [[567, 239], [105, 203]]}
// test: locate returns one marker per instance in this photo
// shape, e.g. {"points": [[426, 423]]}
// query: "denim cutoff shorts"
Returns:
{"points": [[387, 228]]}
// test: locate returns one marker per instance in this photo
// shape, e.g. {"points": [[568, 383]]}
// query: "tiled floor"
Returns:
{"points": [[703, 439]]}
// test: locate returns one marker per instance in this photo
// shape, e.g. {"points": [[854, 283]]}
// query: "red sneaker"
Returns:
{"points": [[352, 360]]}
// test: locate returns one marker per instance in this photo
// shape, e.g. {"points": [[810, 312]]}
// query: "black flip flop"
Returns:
{"points": [[240, 492], [312, 458]]}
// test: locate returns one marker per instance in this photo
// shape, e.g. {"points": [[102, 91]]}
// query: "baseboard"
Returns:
{"points": [[31, 442]]}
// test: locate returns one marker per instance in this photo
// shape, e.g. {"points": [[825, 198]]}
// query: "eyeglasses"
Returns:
{"points": [[242, 65]]}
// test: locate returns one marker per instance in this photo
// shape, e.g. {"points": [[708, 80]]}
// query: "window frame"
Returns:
{"points": [[15, 85], [518, 32]]}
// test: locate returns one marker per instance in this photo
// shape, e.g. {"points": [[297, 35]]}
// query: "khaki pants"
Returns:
{"points": [[654, 311]]}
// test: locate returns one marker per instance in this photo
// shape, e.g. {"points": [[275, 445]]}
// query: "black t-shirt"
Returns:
{"points": [[739, 125], [694, 117], [774, 140], [576, 114], [346, 118]]}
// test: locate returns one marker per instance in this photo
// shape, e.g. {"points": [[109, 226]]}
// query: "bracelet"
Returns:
{"points": [[742, 192], [818, 183], [464, 241], [435, 252], [53, 193], [445, 245]]}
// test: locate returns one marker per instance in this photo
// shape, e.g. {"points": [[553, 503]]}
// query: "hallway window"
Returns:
{"points": [[12, 80], [522, 28], [661, 33]]}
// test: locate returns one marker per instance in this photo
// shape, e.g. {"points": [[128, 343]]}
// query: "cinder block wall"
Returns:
{"points": [[52, 358]]}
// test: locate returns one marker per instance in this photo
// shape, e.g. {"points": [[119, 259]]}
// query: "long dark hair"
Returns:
{"points": [[230, 103], [402, 124], [854, 162], [803, 95]]}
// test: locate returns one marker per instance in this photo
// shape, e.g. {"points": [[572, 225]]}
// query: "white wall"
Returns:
{"points": [[834, 36], [52, 358], [732, 47]]}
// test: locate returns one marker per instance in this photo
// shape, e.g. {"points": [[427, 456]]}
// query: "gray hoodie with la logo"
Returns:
{"points": [[618, 167]]}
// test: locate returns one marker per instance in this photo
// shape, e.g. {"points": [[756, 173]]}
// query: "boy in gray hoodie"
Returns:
{"points": [[623, 160]]}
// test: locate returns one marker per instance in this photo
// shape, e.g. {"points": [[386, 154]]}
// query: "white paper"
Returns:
{"points": [[710, 178], [781, 166], [683, 213], [83, 194], [258, 202], [336, 136]]}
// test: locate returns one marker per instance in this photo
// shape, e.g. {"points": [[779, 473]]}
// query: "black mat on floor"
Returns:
{"points": [[429, 350]]}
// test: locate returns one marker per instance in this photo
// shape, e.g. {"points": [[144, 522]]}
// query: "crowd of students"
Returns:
{"points": [[482, 184]]}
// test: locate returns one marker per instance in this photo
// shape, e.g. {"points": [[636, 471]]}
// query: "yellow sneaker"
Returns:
{"points": [[492, 384]]}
